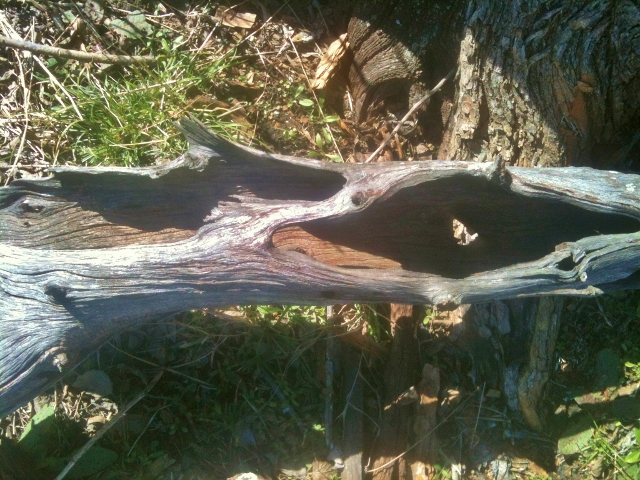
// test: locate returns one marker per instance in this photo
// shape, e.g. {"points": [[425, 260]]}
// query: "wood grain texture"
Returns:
{"points": [[90, 251]]}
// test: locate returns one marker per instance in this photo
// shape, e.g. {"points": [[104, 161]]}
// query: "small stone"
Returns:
{"points": [[94, 381]]}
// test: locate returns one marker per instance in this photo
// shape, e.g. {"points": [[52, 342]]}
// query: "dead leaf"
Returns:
{"points": [[322, 470], [231, 18], [343, 125], [96, 419], [329, 62]]}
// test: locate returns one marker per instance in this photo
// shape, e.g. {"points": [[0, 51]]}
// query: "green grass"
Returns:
{"points": [[125, 117]]}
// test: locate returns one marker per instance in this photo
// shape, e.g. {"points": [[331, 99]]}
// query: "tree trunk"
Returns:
{"points": [[547, 83], [538, 83], [544, 84]]}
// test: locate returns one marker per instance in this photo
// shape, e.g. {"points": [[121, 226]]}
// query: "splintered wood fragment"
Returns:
{"points": [[88, 252], [536, 372], [329, 62], [353, 436]]}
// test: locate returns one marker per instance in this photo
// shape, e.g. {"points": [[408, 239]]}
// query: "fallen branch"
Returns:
{"points": [[88, 252], [40, 49]]}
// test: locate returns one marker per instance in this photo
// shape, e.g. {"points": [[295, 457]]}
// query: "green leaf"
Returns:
{"points": [[134, 25], [327, 135], [319, 141], [636, 432], [39, 433], [633, 456], [267, 310], [331, 118], [93, 461], [177, 41], [335, 158], [305, 102], [576, 437]]}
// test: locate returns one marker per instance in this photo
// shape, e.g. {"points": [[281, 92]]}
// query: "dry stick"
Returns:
{"points": [[475, 427], [27, 97], [309, 83], [111, 423], [14, 37], [409, 113], [170, 370], [145, 429], [74, 54]]}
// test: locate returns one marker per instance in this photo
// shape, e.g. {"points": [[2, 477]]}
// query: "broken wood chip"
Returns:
{"points": [[231, 18], [329, 62]]}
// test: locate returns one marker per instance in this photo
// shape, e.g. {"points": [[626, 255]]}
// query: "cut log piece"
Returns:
{"points": [[398, 47], [90, 251], [426, 423]]}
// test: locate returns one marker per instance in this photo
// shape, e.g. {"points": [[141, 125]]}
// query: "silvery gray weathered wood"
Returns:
{"points": [[90, 251]]}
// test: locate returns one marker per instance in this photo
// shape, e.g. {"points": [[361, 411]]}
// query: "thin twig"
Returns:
{"points": [[310, 84], [409, 113], [26, 98], [111, 423], [475, 427], [168, 369], [9, 30], [145, 429], [40, 49], [55, 81]]}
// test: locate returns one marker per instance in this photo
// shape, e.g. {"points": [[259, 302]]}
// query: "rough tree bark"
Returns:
{"points": [[547, 83], [543, 84]]}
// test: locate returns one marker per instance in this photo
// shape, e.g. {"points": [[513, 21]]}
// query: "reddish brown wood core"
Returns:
{"points": [[452, 227]]}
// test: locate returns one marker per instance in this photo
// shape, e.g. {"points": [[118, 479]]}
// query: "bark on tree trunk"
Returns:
{"points": [[547, 83], [538, 83], [544, 85]]}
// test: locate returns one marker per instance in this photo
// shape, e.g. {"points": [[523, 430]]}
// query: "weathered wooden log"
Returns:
{"points": [[90, 251]]}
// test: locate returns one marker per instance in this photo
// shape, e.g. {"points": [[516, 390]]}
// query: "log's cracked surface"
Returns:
{"points": [[90, 251]]}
